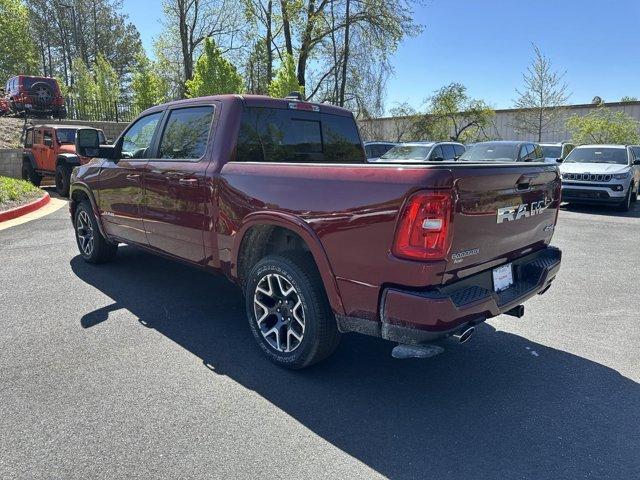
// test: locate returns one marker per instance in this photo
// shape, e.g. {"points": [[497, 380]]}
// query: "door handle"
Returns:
{"points": [[189, 182]]}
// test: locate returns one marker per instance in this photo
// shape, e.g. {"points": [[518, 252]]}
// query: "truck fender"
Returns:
{"points": [[28, 156], [77, 189], [69, 159], [301, 228]]}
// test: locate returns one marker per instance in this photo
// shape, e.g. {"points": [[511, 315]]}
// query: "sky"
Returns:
{"points": [[487, 44]]}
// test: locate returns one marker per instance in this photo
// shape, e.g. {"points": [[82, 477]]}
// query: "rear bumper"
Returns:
{"points": [[409, 316]]}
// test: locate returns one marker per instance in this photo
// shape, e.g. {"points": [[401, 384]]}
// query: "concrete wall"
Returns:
{"points": [[388, 128], [11, 163], [110, 129]]}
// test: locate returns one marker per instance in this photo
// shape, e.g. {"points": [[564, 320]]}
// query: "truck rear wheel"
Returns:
{"points": [[29, 174], [288, 311], [94, 248], [63, 179]]}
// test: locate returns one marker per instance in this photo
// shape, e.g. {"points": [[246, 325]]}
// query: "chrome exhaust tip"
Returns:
{"points": [[464, 335]]}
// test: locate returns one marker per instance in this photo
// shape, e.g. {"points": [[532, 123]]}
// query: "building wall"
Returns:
{"points": [[10, 163], [387, 129]]}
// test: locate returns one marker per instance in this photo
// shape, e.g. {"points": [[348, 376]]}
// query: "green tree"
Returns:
{"points": [[453, 115], [107, 81], [603, 125], [286, 79], [148, 87], [627, 98], [18, 53], [213, 74], [84, 85], [540, 100]]}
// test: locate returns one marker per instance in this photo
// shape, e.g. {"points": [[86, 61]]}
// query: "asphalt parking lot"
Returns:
{"points": [[145, 368]]}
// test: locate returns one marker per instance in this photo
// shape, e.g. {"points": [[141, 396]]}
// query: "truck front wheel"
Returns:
{"points": [[288, 310], [94, 248]]}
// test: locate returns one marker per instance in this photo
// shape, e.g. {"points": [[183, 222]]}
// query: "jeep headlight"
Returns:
{"points": [[621, 176]]}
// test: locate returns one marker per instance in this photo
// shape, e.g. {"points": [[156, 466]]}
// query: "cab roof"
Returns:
{"points": [[253, 101]]}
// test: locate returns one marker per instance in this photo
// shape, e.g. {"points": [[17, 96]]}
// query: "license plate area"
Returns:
{"points": [[502, 277]]}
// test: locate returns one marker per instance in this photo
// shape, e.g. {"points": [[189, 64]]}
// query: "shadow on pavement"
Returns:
{"points": [[498, 407], [608, 210]]}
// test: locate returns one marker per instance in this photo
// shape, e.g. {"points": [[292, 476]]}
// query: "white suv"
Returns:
{"points": [[606, 174]]}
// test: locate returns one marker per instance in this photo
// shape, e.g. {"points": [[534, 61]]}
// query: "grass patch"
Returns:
{"points": [[14, 192]]}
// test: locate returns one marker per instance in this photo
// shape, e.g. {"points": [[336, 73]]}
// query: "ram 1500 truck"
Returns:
{"points": [[277, 195]]}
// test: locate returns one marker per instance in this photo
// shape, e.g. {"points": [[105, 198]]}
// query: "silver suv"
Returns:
{"points": [[605, 174]]}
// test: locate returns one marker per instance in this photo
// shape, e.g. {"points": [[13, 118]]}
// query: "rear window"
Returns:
{"points": [[278, 135], [552, 151]]}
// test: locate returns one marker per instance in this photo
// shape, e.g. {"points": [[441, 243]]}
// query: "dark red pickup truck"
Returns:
{"points": [[277, 195]]}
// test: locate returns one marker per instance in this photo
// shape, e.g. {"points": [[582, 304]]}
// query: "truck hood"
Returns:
{"points": [[67, 149], [593, 168]]}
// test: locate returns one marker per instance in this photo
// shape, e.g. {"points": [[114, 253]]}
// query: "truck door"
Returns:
{"points": [[49, 150], [38, 149], [120, 190], [176, 200]]}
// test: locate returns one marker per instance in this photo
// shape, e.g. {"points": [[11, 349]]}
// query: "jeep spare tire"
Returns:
{"points": [[41, 93]]}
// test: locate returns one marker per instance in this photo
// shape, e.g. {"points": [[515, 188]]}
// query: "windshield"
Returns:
{"points": [[598, 155], [552, 151], [497, 152], [407, 152], [66, 135]]}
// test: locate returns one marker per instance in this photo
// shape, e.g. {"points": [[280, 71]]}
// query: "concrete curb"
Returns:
{"points": [[24, 209]]}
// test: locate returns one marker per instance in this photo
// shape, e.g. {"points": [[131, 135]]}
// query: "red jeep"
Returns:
{"points": [[35, 96], [50, 150]]}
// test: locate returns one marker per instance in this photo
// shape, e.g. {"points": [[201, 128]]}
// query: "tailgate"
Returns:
{"points": [[501, 211]]}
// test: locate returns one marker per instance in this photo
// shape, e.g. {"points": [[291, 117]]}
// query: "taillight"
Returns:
{"points": [[423, 231]]}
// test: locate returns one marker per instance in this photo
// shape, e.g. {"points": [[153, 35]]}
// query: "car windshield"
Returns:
{"points": [[407, 152], [552, 151], [496, 152], [68, 136], [598, 155]]}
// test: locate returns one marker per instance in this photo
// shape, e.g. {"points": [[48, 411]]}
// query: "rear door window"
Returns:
{"points": [[448, 152], [279, 135], [48, 137], [459, 149], [436, 154], [186, 133]]}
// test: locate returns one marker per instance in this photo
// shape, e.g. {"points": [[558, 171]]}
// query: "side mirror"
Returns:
{"points": [[636, 162], [48, 142], [437, 159], [559, 160], [88, 144]]}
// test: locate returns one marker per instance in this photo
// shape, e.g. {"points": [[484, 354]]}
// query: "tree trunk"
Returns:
{"points": [[286, 26], [305, 44], [268, 41], [345, 59]]}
